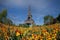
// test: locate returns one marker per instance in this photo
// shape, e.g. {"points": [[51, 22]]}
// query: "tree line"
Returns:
{"points": [[4, 19], [48, 19]]}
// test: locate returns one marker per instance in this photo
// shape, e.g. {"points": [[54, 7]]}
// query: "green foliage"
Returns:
{"points": [[58, 18], [4, 19], [8, 21], [58, 35], [24, 25], [48, 19], [4, 13]]}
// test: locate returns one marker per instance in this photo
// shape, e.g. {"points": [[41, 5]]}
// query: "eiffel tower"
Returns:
{"points": [[29, 20]]}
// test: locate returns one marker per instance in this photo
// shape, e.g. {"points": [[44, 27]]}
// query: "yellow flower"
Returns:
{"points": [[41, 39], [33, 36], [49, 38], [17, 33]]}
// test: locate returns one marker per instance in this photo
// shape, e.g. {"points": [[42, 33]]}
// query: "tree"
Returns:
{"points": [[0, 17], [3, 15], [8, 21], [48, 19], [58, 18], [4, 19], [55, 21]]}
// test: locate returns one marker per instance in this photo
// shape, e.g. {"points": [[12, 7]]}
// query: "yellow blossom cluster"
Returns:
{"points": [[49, 32]]}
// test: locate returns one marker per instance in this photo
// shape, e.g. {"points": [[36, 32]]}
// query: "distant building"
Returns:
{"points": [[29, 20]]}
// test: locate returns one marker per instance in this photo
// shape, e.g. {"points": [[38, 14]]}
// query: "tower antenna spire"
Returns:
{"points": [[29, 20], [29, 10]]}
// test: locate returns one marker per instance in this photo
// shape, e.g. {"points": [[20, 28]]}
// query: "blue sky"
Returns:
{"points": [[18, 9]]}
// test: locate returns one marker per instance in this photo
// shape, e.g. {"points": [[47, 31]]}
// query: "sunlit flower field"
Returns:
{"points": [[50, 32]]}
